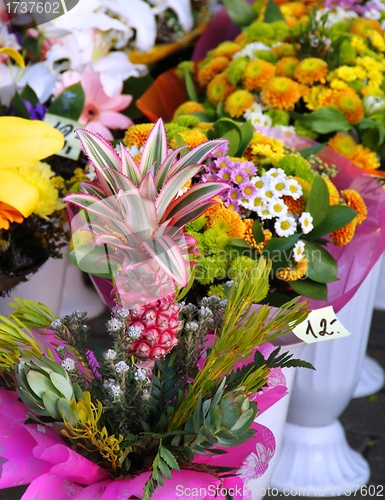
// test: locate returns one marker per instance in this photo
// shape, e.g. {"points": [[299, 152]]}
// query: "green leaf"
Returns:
{"points": [[337, 216], [312, 150], [240, 12], [226, 128], [230, 415], [247, 131], [62, 385], [258, 231], [273, 12], [50, 401], [190, 87], [69, 103], [322, 266], [324, 120], [29, 95], [318, 202], [168, 457], [238, 242], [19, 107], [280, 244], [40, 383], [311, 289], [216, 416]]}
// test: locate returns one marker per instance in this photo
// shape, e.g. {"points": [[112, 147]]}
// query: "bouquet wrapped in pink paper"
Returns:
{"points": [[181, 384]]}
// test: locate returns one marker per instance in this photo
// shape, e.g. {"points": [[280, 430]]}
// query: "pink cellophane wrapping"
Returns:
{"points": [[356, 259], [36, 455]]}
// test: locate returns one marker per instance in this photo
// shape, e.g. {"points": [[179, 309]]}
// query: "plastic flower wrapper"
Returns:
{"points": [[179, 386], [32, 217]]}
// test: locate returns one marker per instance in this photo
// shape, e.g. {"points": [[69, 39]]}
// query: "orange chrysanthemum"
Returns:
{"points": [[283, 50], [281, 92], [286, 66], [249, 238], [363, 27], [9, 214], [311, 70], [205, 126], [226, 49], [192, 138], [343, 144], [219, 88], [214, 66], [189, 107], [137, 135], [257, 73], [242, 39], [295, 206], [365, 158], [238, 102], [294, 274], [350, 104], [213, 208], [356, 202], [334, 195], [344, 235], [227, 221]]}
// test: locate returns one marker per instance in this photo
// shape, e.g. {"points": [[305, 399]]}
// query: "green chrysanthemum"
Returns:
{"points": [[239, 267], [236, 69], [196, 225], [266, 55], [209, 269], [260, 32], [278, 116], [214, 241], [304, 131], [296, 165], [281, 30], [217, 291], [347, 53]]}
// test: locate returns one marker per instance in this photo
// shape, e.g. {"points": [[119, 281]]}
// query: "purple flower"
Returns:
{"points": [[36, 112]]}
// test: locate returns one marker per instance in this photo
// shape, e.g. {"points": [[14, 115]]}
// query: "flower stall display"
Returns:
{"points": [[32, 217], [180, 385]]}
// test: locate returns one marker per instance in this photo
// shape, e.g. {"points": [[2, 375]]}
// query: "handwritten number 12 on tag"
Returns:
{"points": [[321, 324]]}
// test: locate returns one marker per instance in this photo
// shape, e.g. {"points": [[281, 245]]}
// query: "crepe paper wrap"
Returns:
{"points": [[36, 455], [356, 259]]}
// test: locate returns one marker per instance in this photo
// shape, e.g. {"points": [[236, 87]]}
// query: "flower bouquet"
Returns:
{"points": [[320, 77], [32, 217], [180, 385]]}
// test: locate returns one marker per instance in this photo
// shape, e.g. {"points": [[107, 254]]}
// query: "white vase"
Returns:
{"points": [[45, 286], [315, 455], [274, 418]]}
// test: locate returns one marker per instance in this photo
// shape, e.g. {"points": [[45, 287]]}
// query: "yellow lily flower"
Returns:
{"points": [[22, 142], [14, 54]]}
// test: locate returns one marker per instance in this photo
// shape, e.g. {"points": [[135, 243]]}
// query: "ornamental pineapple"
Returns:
{"points": [[158, 324]]}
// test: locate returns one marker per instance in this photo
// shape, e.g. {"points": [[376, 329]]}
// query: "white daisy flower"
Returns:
{"points": [[275, 172], [293, 189], [250, 50], [306, 221], [277, 207], [278, 185], [266, 193], [260, 119], [264, 211], [285, 226], [254, 108], [298, 251], [259, 181]]}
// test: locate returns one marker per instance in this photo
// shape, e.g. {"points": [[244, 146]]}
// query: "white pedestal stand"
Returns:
{"points": [[315, 454]]}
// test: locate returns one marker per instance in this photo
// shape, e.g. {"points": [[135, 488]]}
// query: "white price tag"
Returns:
{"points": [[67, 127], [321, 324]]}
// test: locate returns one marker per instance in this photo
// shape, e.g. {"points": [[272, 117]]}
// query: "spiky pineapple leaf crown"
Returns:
{"points": [[134, 214]]}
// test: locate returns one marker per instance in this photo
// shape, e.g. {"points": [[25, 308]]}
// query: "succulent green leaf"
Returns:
{"points": [[231, 414], [40, 383], [34, 405], [216, 416], [62, 384], [50, 401], [244, 422]]}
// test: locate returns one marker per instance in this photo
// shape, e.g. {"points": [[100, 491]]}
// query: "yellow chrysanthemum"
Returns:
{"points": [[311, 70], [262, 147], [316, 96], [214, 66], [286, 66], [344, 235], [356, 202], [373, 91], [205, 126], [257, 73], [39, 174], [358, 44], [283, 50], [346, 73], [377, 41], [293, 9], [351, 106], [343, 144], [294, 274], [226, 49], [189, 107], [242, 39], [365, 158], [363, 27], [281, 93], [192, 138], [227, 221], [213, 208], [238, 102], [334, 196], [219, 88], [337, 84], [137, 135], [248, 236]]}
